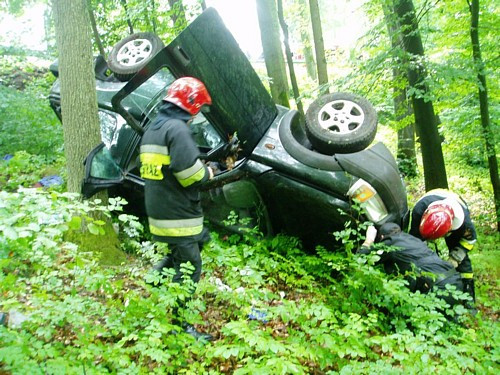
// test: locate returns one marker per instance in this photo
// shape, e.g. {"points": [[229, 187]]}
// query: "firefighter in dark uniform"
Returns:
{"points": [[442, 213], [172, 172], [425, 270]]}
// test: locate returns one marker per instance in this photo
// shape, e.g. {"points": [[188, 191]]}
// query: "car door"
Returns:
{"points": [[206, 50]]}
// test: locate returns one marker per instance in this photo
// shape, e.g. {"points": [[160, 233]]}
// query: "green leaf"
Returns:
{"points": [[75, 223], [10, 233], [94, 229]]}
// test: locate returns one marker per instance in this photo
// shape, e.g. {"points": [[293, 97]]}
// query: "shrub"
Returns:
{"points": [[26, 119]]}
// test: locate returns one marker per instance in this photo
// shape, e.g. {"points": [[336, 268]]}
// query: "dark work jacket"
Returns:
{"points": [[172, 172], [464, 237], [412, 254]]}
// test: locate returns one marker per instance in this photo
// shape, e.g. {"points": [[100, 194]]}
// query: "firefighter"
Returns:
{"points": [[442, 213], [424, 269], [172, 172]]}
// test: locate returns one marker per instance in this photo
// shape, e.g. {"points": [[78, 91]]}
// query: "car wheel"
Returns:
{"points": [[130, 54], [341, 123]]}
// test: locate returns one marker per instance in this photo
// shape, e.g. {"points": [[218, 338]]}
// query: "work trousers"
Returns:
{"points": [[183, 252]]}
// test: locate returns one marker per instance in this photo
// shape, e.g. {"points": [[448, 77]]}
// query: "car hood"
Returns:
{"points": [[207, 50]]}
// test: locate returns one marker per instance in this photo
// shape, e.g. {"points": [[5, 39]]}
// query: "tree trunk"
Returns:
{"points": [[273, 56], [305, 38], [319, 46], [203, 5], [154, 16], [309, 56], [78, 94], [129, 22], [97, 37], [289, 58], [489, 137], [406, 154], [425, 118]]}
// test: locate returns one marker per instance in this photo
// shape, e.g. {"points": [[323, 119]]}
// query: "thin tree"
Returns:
{"points": [[273, 55], [78, 95], [299, 22], [306, 41], [489, 137], [289, 58], [93, 23], [127, 16], [425, 118], [406, 154], [154, 16], [319, 46]]}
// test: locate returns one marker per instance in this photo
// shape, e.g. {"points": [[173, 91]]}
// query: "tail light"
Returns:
{"points": [[370, 201]]}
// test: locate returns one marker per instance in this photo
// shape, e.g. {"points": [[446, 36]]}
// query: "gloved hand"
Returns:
{"points": [[213, 168], [371, 234], [453, 262], [457, 256]]}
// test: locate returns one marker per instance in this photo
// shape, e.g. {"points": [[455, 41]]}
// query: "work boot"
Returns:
{"points": [[191, 330]]}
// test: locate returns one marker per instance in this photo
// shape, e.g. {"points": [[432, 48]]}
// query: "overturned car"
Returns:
{"points": [[276, 171]]}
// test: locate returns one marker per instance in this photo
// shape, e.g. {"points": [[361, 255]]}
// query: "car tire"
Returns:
{"points": [[130, 54], [340, 123]]}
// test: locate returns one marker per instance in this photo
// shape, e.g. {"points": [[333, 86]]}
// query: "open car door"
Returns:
{"points": [[206, 50]]}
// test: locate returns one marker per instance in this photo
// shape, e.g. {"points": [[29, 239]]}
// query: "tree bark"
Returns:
{"points": [[406, 154], [78, 95], [303, 26], [319, 46], [309, 56], [489, 137], [93, 23], [154, 16], [289, 58], [425, 118], [273, 56]]}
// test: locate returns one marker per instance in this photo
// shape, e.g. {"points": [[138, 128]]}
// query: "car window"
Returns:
{"points": [[104, 167], [115, 134], [205, 135], [109, 124]]}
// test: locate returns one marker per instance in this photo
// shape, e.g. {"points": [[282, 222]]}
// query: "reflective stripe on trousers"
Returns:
{"points": [[176, 228]]}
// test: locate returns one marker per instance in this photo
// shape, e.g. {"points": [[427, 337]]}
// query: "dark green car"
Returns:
{"points": [[277, 172]]}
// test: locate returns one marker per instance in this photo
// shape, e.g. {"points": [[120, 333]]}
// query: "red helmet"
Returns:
{"points": [[436, 220], [188, 93]]}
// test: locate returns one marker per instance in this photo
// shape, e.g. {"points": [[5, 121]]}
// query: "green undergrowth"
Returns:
{"points": [[272, 308], [27, 121], [26, 170], [105, 245]]}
